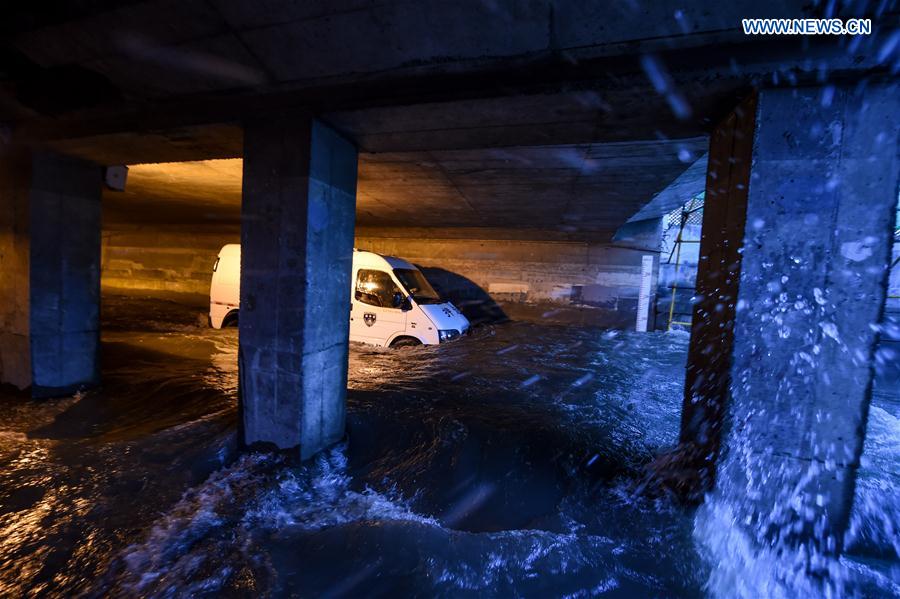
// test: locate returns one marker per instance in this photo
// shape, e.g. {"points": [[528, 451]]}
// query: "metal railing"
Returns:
{"points": [[690, 208]]}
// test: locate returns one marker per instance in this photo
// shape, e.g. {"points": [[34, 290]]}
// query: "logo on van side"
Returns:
{"points": [[369, 318]]}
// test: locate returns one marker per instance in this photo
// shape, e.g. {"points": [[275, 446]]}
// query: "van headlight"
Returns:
{"points": [[447, 335]]}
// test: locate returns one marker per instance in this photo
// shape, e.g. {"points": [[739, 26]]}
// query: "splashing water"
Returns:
{"points": [[455, 478]]}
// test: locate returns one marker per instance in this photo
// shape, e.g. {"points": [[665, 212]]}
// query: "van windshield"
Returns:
{"points": [[417, 286]]}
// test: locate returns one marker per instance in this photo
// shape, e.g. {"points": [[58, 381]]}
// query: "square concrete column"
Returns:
{"points": [[49, 272], [811, 260], [708, 373], [298, 221]]}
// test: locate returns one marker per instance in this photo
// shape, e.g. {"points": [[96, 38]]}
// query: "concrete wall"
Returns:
{"points": [[174, 261], [573, 282], [489, 273]]}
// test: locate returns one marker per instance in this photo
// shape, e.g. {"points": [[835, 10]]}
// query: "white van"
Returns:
{"points": [[391, 302]]}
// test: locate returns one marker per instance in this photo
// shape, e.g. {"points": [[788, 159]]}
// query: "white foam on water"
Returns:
{"points": [[320, 496], [743, 568], [255, 494], [199, 546], [875, 520]]}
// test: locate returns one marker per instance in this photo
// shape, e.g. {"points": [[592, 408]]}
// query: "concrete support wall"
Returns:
{"points": [[168, 261], [547, 280], [813, 277], [299, 201], [50, 253], [551, 280]]}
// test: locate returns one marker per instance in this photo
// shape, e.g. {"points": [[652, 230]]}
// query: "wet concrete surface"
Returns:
{"points": [[507, 463]]}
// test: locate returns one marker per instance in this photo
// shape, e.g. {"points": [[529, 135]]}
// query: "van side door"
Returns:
{"points": [[375, 316]]}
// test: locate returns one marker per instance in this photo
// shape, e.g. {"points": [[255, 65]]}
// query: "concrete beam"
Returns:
{"points": [[532, 192], [49, 273], [823, 186], [299, 191]]}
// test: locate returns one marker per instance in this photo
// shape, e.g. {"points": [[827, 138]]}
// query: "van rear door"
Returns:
{"points": [[225, 287]]}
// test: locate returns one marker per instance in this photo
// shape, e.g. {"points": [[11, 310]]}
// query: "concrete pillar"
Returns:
{"points": [[15, 346], [299, 201], [707, 377], [49, 273], [811, 287]]}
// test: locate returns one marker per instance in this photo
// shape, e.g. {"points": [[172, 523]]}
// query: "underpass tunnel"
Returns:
{"points": [[670, 247], [536, 234], [468, 219], [485, 226]]}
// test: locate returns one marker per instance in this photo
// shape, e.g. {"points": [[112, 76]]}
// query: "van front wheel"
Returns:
{"points": [[405, 342]]}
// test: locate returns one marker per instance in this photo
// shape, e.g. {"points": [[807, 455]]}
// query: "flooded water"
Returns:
{"points": [[508, 463]]}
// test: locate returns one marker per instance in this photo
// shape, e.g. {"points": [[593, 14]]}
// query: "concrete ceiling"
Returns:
{"points": [[477, 113], [143, 51], [579, 117], [166, 80], [182, 193], [588, 189]]}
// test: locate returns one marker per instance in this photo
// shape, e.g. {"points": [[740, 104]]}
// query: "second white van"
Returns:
{"points": [[391, 301]]}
